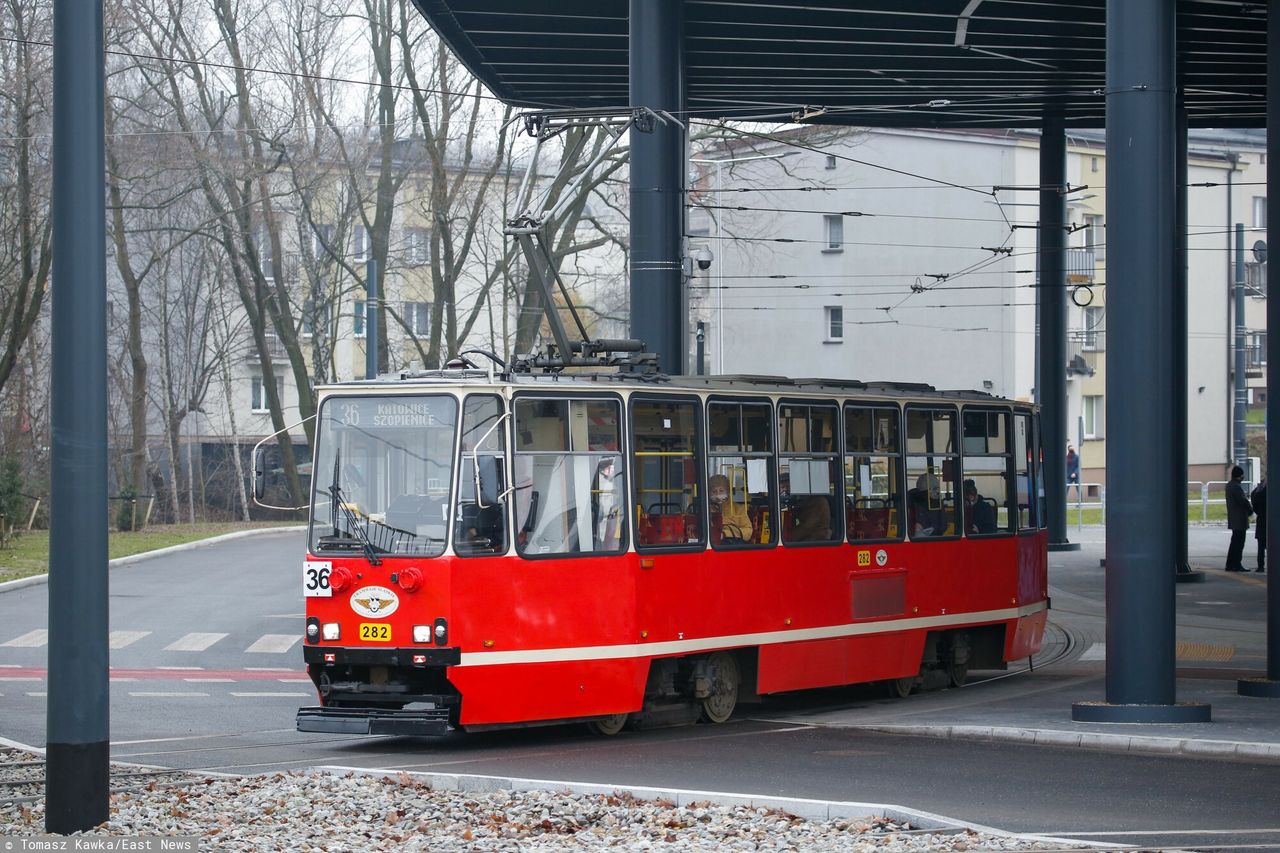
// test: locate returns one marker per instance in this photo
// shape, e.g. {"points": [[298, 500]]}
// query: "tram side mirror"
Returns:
{"points": [[259, 473], [489, 480]]}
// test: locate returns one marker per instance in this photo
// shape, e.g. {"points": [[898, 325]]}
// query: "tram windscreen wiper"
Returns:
{"points": [[340, 506]]}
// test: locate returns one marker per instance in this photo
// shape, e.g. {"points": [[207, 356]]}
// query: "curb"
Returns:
{"points": [[8, 586], [800, 807], [1137, 744]]}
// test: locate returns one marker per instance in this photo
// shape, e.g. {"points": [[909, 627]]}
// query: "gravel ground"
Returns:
{"points": [[333, 812]]}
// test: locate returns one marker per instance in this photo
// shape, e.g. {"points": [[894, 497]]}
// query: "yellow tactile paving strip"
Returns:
{"points": [[1205, 651]]}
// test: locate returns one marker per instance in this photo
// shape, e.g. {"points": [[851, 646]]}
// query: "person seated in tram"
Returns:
{"points": [[734, 522], [810, 515], [925, 505], [979, 515]]}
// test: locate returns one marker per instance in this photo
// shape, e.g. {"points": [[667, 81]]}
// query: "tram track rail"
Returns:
{"points": [[22, 777]]}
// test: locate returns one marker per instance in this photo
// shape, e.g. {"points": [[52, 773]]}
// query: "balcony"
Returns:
{"points": [[1081, 266], [1087, 340]]}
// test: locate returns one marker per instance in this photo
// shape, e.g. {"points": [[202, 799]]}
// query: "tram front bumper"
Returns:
{"points": [[430, 722]]}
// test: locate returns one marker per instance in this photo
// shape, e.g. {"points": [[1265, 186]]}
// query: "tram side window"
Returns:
{"points": [[1022, 444], [667, 473], [872, 473], [987, 457], [480, 525], [570, 496], [932, 463], [740, 485], [808, 473]]}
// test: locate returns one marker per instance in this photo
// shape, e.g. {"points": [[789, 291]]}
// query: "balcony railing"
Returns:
{"points": [[1081, 264], [1088, 340]]}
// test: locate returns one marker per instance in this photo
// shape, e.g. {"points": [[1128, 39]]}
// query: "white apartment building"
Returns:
{"points": [[910, 255]]}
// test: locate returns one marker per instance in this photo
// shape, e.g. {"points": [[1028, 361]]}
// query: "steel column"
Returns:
{"points": [[1270, 686], [76, 773], [1141, 676], [1178, 305], [1052, 341], [657, 182], [1239, 386]]}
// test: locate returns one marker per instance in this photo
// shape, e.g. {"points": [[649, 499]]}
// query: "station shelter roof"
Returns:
{"points": [[869, 63]]}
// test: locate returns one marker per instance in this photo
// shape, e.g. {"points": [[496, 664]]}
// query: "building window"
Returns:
{"points": [[1259, 211], [1095, 238], [417, 318], [1255, 279], [1093, 164], [360, 244], [417, 246], [1094, 416], [835, 324], [262, 245], [258, 394], [1093, 337], [1256, 349], [322, 239], [833, 232], [831, 161], [358, 323]]}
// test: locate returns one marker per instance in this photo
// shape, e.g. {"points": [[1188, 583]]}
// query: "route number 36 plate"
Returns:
{"points": [[315, 579]]}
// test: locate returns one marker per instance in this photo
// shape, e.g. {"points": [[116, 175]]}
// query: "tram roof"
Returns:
{"points": [[884, 63], [619, 380]]}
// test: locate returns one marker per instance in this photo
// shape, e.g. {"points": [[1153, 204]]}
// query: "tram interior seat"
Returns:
{"points": [[872, 518], [665, 523]]}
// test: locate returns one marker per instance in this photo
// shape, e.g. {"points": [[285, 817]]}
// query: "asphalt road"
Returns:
{"points": [[230, 707]]}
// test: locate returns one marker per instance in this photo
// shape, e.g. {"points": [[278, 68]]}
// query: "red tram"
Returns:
{"points": [[611, 548]]}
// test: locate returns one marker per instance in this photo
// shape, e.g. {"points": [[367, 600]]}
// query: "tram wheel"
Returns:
{"points": [[957, 673], [900, 688], [607, 726], [718, 706]]}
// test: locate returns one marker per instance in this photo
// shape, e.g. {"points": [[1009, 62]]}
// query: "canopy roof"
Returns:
{"points": [[889, 63]]}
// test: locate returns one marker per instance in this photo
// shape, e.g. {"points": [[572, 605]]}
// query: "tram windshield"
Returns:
{"points": [[383, 469]]}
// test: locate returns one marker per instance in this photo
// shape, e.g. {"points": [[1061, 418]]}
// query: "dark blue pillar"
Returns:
{"points": [[657, 182], [77, 739], [1178, 304], [1141, 529], [1052, 340], [1270, 686]]}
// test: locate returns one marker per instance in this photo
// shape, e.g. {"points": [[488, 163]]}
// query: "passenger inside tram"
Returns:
{"points": [[728, 517], [928, 517], [810, 515]]}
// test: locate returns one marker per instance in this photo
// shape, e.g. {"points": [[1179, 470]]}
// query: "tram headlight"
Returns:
{"points": [[332, 631], [422, 633], [313, 630]]}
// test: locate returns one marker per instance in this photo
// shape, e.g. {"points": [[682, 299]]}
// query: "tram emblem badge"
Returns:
{"points": [[374, 601]]}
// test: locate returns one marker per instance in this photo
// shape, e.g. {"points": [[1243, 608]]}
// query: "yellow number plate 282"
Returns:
{"points": [[375, 632]]}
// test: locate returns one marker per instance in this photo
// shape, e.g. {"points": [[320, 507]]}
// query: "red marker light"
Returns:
{"points": [[330, 657], [420, 659], [340, 578], [410, 579]]}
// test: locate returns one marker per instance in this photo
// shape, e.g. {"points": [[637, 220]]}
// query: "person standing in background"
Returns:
{"points": [[1073, 471], [1238, 512], [1258, 497]]}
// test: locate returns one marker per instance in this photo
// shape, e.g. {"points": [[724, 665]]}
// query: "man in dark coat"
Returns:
{"points": [[1238, 512], [1258, 497]]}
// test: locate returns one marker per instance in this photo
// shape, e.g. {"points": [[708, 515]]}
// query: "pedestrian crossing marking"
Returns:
{"points": [[30, 640], [194, 642], [164, 694], [273, 644], [269, 695], [120, 639]]}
